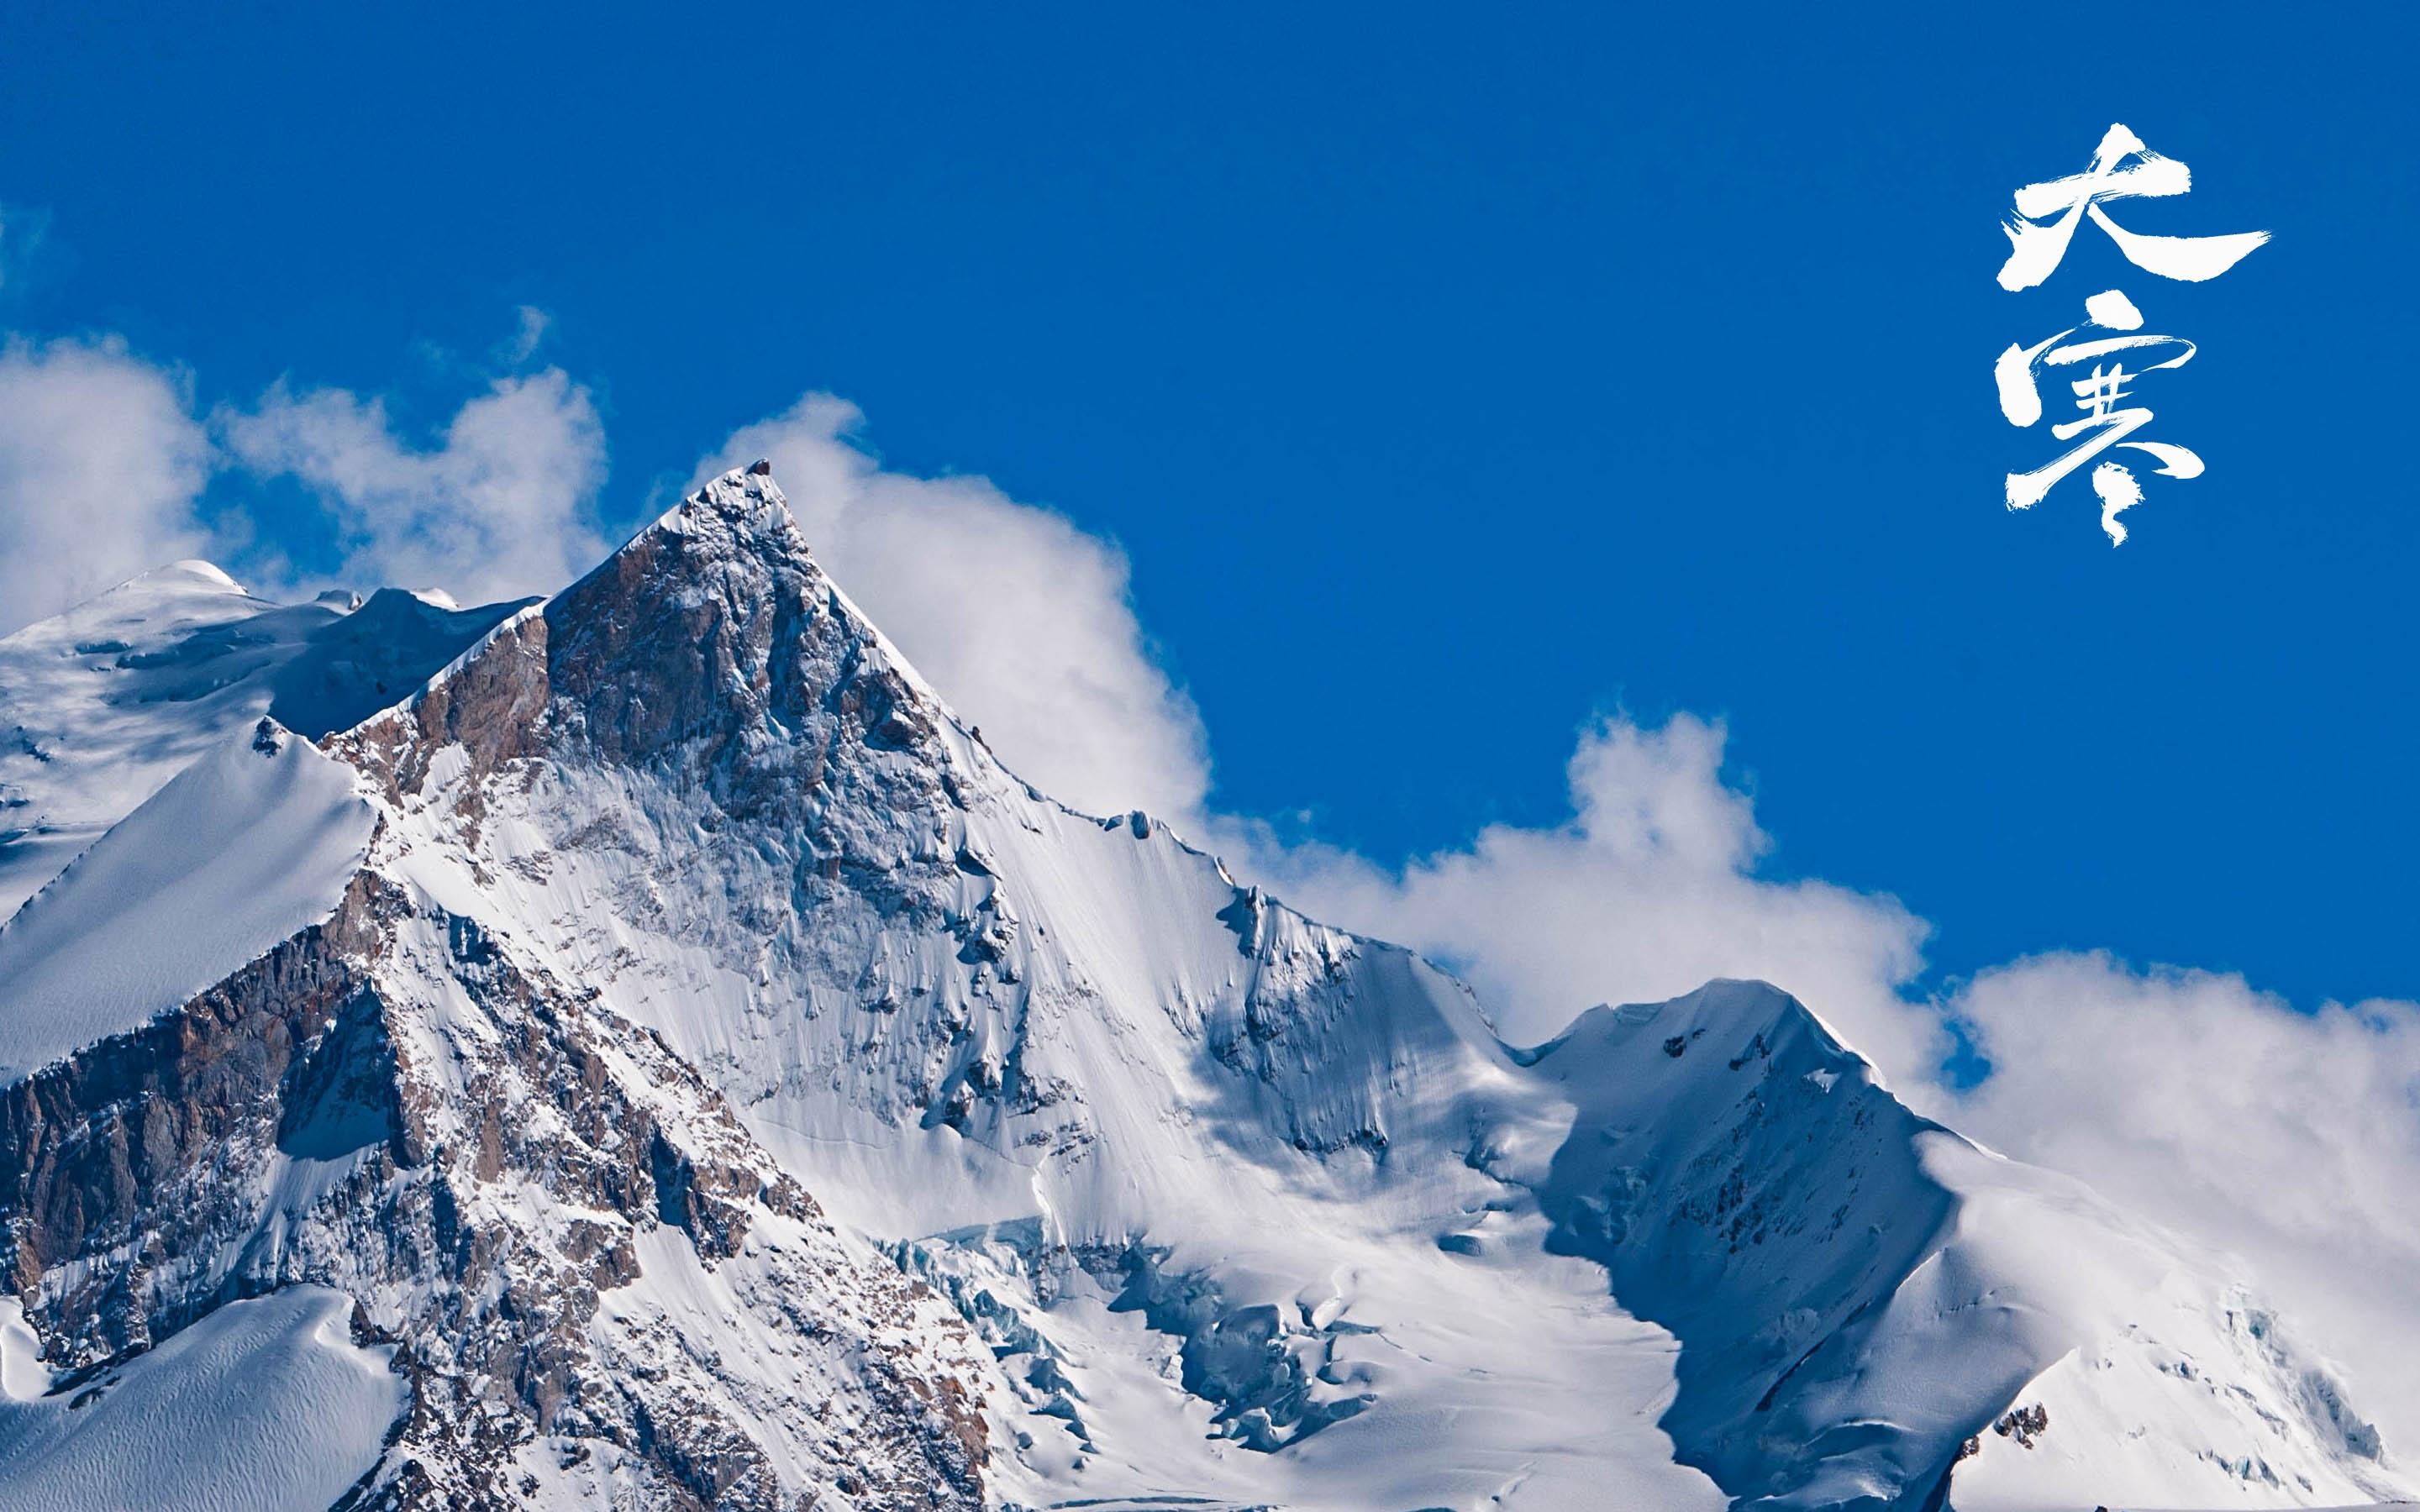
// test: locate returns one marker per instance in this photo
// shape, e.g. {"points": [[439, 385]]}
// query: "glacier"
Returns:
{"points": [[721, 1081]]}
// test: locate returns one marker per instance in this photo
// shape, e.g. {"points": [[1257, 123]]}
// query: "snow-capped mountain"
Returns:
{"points": [[642, 1049]]}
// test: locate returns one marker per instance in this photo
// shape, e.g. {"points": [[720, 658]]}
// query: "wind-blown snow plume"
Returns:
{"points": [[1023, 621], [1019, 616]]}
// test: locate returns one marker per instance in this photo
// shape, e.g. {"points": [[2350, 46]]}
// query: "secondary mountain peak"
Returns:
{"points": [[192, 571]]}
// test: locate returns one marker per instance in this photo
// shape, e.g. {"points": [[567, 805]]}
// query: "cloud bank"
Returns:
{"points": [[104, 457]]}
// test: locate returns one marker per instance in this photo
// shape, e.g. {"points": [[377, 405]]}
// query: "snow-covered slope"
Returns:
{"points": [[380, 652], [250, 844], [1859, 1291], [728, 1081], [101, 706], [313, 1407]]}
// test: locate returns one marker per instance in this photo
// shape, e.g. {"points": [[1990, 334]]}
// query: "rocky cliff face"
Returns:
{"points": [[721, 1082], [595, 1277]]}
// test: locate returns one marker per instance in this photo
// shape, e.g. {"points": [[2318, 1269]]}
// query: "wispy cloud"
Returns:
{"points": [[23, 230], [501, 504], [1648, 889], [529, 333]]}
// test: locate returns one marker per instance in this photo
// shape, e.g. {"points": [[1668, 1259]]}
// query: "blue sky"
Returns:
{"points": [[1448, 376]]}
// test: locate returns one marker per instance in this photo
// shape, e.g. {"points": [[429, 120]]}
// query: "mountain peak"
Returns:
{"points": [[195, 571], [742, 499], [1728, 1011], [186, 591]]}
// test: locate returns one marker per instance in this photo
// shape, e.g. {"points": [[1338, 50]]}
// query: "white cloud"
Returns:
{"points": [[2289, 1138], [1649, 889], [1019, 618], [101, 465], [500, 507]]}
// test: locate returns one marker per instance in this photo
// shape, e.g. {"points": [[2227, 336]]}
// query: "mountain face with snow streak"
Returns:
{"points": [[652, 1033]]}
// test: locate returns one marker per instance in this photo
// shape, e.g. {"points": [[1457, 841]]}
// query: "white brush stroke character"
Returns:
{"points": [[2115, 483], [2104, 425], [2047, 214]]}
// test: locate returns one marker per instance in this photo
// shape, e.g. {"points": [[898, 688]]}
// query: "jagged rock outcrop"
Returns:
{"points": [[520, 1192]]}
